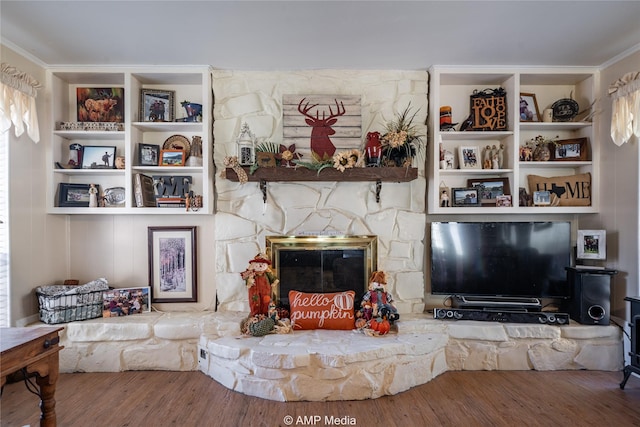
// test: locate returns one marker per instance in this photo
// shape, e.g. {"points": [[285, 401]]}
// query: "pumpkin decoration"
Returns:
{"points": [[361, 323], [381, 326]]}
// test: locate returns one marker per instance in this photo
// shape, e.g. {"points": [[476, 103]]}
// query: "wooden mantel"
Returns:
{"points": [[282, 174]]}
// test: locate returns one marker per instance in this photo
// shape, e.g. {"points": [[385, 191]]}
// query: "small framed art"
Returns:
{"points": [[503, 201], [570, 150], [98, 157], [529, 108], [148, 154], [74, 195], [172, 264], [104, 104], [126, 301], [469, 157], [172, 158], [490, 189], [542, 198], [592, 244], [466, 197], [157, 105]]}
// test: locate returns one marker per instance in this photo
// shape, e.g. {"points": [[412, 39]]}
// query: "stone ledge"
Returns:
{"points": [[330, 365]]}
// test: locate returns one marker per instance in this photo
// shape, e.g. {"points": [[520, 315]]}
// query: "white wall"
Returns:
{"points": [[620, 204], [37, 241]]}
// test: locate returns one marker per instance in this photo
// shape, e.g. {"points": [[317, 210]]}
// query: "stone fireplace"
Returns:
{"points": [[322, 263], [243, 220]]}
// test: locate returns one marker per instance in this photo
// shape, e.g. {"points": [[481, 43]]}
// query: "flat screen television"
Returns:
{"points": [[506, 259]]}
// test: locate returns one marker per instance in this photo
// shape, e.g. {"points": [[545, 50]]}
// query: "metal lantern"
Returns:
{"points": [[246, 146]]}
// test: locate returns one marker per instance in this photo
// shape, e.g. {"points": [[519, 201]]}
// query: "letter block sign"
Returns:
{"points": [[489, 109]]}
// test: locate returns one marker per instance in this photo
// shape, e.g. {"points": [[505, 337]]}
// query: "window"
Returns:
{"points": [[4, 229]]}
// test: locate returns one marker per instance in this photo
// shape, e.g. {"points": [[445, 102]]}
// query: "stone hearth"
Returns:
{"points": [[330, 365]]}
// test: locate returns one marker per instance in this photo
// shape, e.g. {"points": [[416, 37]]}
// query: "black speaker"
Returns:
{"points": [[590, 296]]}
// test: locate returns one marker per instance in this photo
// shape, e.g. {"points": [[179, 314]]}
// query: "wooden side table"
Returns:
{"points": [[35, 350]]}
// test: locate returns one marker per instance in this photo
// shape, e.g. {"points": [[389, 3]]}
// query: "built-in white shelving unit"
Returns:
{"points": [[188, 83], [452, 86]]}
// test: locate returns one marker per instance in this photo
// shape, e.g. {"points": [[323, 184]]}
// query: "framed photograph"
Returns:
{"points": [[172, 264], [542, 198], [529, 108], [503, 201], [157, 105], [105, 104], [490, 189], [172, 157], [98, 157], [592, 244], [126, 301], [148, 154], [73, 195], [571, 150], [465, 197], [469, 157]]}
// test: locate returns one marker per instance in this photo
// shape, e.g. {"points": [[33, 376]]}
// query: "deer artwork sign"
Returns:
{"points": [[323, 123]]}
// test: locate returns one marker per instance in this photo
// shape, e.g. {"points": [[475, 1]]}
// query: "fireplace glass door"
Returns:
{"points": [[319, 264]]}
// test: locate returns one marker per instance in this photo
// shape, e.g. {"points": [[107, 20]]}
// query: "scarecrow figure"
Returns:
{"points": [[378, 299], [259, 280]]}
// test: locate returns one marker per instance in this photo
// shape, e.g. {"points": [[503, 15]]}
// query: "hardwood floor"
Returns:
{"points": [[469, 398]]}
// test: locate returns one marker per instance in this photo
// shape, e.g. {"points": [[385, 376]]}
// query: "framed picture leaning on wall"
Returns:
{"points": [[173, 264]]}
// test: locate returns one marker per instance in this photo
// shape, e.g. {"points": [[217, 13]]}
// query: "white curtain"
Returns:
{"points": [[625, 116], [18, 93]]}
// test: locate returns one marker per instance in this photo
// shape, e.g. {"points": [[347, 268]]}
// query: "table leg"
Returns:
{"points": [[47, 384]]}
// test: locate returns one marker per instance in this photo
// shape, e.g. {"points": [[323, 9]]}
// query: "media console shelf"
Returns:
{"points": [[281, 174]]}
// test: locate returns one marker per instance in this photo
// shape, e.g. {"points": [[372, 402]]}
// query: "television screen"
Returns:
{"points": [[512, 259]]}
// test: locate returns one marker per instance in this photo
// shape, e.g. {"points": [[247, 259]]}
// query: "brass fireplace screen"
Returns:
{"points": [[322, 263]]}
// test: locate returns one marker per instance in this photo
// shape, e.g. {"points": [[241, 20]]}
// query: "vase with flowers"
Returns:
{"points": [[401, 141]]}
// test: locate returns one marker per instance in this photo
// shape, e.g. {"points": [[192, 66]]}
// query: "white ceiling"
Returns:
{"points": [[290, 35]]}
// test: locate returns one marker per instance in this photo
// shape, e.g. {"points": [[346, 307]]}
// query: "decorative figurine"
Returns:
{"points": [[260, 280], [93, 196], [379, 299]]}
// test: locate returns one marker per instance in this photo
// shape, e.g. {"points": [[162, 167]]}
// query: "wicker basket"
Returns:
{"points": [[61, 304]]}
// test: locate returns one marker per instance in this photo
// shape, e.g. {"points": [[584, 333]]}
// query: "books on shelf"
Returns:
{"points": [[171, 202]]}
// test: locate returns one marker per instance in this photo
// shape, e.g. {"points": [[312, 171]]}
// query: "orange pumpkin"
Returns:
{"points": [[382, 326]]}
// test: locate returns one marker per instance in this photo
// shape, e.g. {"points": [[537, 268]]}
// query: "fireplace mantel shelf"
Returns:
{"points": [[281, 174]]}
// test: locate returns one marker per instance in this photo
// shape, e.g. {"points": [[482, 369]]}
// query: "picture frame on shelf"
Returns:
{"points": [[490, 188], [73, 195], [469, 157], [157, 105], [148, 154], [592, 244], [104, 104], [465, 197], [542, 198], [504, 201], [126, 301], [172, 158], [173, 264], [529, 111], [571, 150], [98, 157]]}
